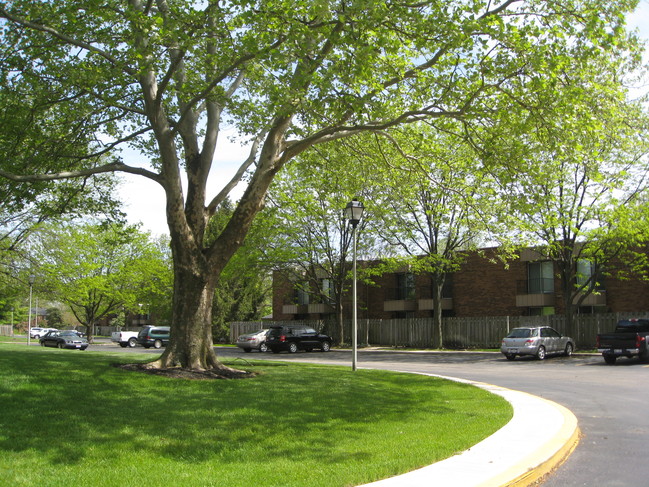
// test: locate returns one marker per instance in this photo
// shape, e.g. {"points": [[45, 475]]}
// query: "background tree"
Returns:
{"points": [[54, 317], [98, 270], [433, 201], [245, 286], [163, 77], [583, 172], [309, 237]]}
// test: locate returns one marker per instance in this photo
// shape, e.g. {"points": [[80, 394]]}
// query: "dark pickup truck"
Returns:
{"points": [[628, 340]]}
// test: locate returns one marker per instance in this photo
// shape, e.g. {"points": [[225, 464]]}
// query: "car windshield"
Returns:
{"points": [[520, 333], [69, 333]]}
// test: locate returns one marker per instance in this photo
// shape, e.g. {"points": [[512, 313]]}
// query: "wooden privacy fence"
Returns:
{"points": [[457, 333], [6, 330]]}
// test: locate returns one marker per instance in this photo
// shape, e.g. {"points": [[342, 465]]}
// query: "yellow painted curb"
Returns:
{"points": [[547, 459]]}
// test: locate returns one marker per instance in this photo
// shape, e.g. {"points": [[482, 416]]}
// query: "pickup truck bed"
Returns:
{"points": [[124, 338]]}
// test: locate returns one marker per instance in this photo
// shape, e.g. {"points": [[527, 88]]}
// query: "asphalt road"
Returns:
{"points": [[610, 402]]}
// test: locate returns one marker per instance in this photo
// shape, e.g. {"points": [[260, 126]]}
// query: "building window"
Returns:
{"points": [[405, 286], [301, 295], [540, 277], [587, 270], [326, 288], [544, 311]]}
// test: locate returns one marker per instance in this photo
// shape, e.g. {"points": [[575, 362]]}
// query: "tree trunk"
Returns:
{"points": [[191, 343], [437, 311]]}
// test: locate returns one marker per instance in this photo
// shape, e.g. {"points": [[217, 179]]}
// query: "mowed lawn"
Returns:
{"points": [[69, 418]]}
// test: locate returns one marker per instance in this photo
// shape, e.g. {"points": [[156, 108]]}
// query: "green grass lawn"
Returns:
{"points": [[68, 418]]}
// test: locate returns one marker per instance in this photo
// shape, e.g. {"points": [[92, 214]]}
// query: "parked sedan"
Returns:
{"points": [[64, 339], [538, 341], [253, 341]]}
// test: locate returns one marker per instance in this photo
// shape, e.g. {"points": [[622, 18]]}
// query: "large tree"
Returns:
{"points": [[164, 76]]}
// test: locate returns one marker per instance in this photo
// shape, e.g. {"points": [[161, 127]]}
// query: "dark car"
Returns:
{"points": [[296, 337], [64, 339], [153, 336]]}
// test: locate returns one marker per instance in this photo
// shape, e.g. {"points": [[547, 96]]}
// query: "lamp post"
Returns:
{"points": [[29, 316], [354, 213]]}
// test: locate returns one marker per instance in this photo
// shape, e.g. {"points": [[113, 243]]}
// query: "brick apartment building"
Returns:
{"points": [[482, 287]]}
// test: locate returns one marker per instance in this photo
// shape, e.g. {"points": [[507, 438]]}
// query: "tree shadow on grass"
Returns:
{"points": [[73, 409]]}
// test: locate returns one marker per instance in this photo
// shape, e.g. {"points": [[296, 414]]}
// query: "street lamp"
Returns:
{"points": [[29, 317], [354, 213]]}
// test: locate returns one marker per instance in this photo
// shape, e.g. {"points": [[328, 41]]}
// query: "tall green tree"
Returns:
{"points": [[309, 237], [164, 77], [583, 174], [433, 202], [98, 270]]}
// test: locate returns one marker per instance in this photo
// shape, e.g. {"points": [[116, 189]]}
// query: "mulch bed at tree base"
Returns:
{"points": [[184, 373]]}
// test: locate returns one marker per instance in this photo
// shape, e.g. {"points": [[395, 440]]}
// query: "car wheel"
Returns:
{"points": [[568, 351], [132, 342], [60, 345], [157, 344], [42, 344], [247, 350], [292, 348], [610, 359], [540, 353], [510, 356], [326, 346], [263, 348]]}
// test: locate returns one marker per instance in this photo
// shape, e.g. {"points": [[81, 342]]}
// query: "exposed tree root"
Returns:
{"points": [[221, 372]]}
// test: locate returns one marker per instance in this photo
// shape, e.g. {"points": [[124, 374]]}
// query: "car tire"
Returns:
{"points": [[610, 359], [263, 348], [540, 353], [326, 346], [568, 351], [510, 356], [60, 345], [132, 342], [157, 344], [42, 344], [292, 347]]}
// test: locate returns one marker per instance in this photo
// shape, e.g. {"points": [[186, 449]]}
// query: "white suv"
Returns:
{"points": [[37, 332]]}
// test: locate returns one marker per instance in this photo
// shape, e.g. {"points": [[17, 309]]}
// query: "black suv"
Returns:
{"points": [[296, 337]]}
